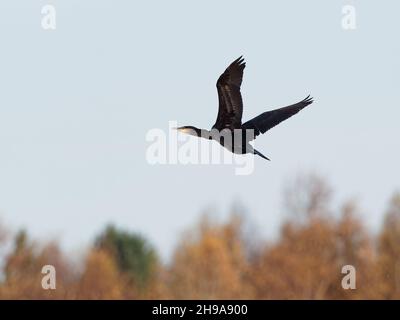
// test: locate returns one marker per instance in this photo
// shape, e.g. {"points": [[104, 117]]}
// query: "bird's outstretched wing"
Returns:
{"points": [[270, 119], [229, 97]]}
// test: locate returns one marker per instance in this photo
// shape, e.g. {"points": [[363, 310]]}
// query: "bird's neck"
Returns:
{"points": [[204, 133]]}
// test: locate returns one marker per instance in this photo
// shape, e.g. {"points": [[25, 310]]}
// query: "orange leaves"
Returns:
{"points": [[101, 278], [210, 266]]}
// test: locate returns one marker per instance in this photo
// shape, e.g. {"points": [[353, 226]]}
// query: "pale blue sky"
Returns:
{"points": [[76, 103]]}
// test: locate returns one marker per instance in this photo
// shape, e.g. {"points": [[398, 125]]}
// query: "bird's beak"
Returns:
{"points": [[180, 129], [188, 131]]}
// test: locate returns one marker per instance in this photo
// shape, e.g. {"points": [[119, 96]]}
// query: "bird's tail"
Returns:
{"points": [[261, 155]]}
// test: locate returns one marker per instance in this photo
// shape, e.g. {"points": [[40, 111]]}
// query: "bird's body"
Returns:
{"points": [[228, 129]]}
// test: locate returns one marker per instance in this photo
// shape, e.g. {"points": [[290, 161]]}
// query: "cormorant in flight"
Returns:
{"points": [[228, 130]]}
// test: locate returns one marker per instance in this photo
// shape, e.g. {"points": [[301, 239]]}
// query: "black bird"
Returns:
{"points": [[228, 130]]}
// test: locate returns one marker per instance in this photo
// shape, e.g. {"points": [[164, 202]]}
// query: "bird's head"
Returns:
{"points": [[193, 131]]}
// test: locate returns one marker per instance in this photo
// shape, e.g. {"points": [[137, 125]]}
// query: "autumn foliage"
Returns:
{"points": [[223, 260]]}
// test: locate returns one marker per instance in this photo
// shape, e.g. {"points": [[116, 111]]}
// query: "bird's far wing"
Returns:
{"points": [[230, 100], [270, 119]]}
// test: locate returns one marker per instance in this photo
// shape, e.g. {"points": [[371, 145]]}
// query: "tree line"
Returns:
{"points": [[223, 260]]}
